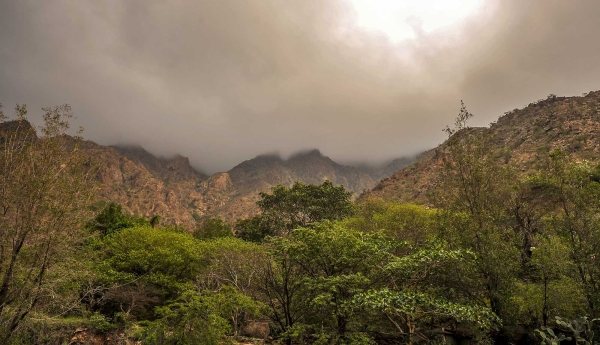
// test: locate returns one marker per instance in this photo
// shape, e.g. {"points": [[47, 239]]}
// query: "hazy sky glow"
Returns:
{"points": [[222, 81], [402, 20]]}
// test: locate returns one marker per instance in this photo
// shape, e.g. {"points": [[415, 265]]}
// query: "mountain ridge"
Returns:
{"points": [[170, 187], [525, 135]]}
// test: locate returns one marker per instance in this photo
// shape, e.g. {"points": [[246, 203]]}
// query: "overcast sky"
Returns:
{"points": [[222, 81]]}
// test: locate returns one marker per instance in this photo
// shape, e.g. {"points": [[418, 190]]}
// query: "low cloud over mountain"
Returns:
{"points": [[223, 81]]}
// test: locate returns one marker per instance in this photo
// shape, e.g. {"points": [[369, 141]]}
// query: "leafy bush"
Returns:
{"points": [[191, 319], [581, 331]]}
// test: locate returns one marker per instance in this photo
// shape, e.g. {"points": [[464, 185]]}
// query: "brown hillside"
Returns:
{"points": [[171, 188], [525, 135], [147, 185]]}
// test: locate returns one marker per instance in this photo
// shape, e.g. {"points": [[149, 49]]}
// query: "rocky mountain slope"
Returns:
{"points": [[148, 185], [260, 173], [526, 136]]}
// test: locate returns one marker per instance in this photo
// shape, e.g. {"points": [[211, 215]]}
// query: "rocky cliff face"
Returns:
{"points": [[172, 171], [171, 188], [526, 136], [147, 185]]}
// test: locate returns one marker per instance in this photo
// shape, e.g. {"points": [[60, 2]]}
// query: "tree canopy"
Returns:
{"points": [[301, 205]]}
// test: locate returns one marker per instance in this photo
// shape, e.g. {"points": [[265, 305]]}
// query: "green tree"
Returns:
{"points": [[335, 281], [235, 307], [46, 188], [577, 192], [337, 263], [191, 319], [231, 262], [550, 259], [111, 220], [474, 191], [401, 222], [531, 201], [201, 317], [420, 294], [406, 309], [141, 267], [301, 205], [550, 289], [154, 220], [280, 284], [212, 227]]}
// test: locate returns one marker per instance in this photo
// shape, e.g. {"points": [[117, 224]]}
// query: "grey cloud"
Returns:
{"points": [[222, 81]]}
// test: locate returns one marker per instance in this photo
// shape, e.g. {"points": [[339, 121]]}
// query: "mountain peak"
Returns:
{"points": [[175, 165], [306, 153], [313, 155]]}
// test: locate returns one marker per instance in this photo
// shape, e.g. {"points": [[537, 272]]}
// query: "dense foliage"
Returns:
{"points": [[286, 209]]}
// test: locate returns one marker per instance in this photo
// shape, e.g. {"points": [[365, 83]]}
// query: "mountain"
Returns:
{"points": [[171, 187], [171, 170], [262, 172], [308, 167], [147, 185], [526, 136]]}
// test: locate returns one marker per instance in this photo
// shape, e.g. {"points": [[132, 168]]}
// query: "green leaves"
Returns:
{"points": [[111, 220], [304, 204], [581, 330], [549, 337], [427, 259], [399, 221], [286, 209], [166, 258], [213, 227], [349, 274], [188, 284], [46, 189], [191, 319], [231, 261], [420, 305]]}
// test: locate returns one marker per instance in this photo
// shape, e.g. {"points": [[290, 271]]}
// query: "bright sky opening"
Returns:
{"points": [[403, 19]]}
